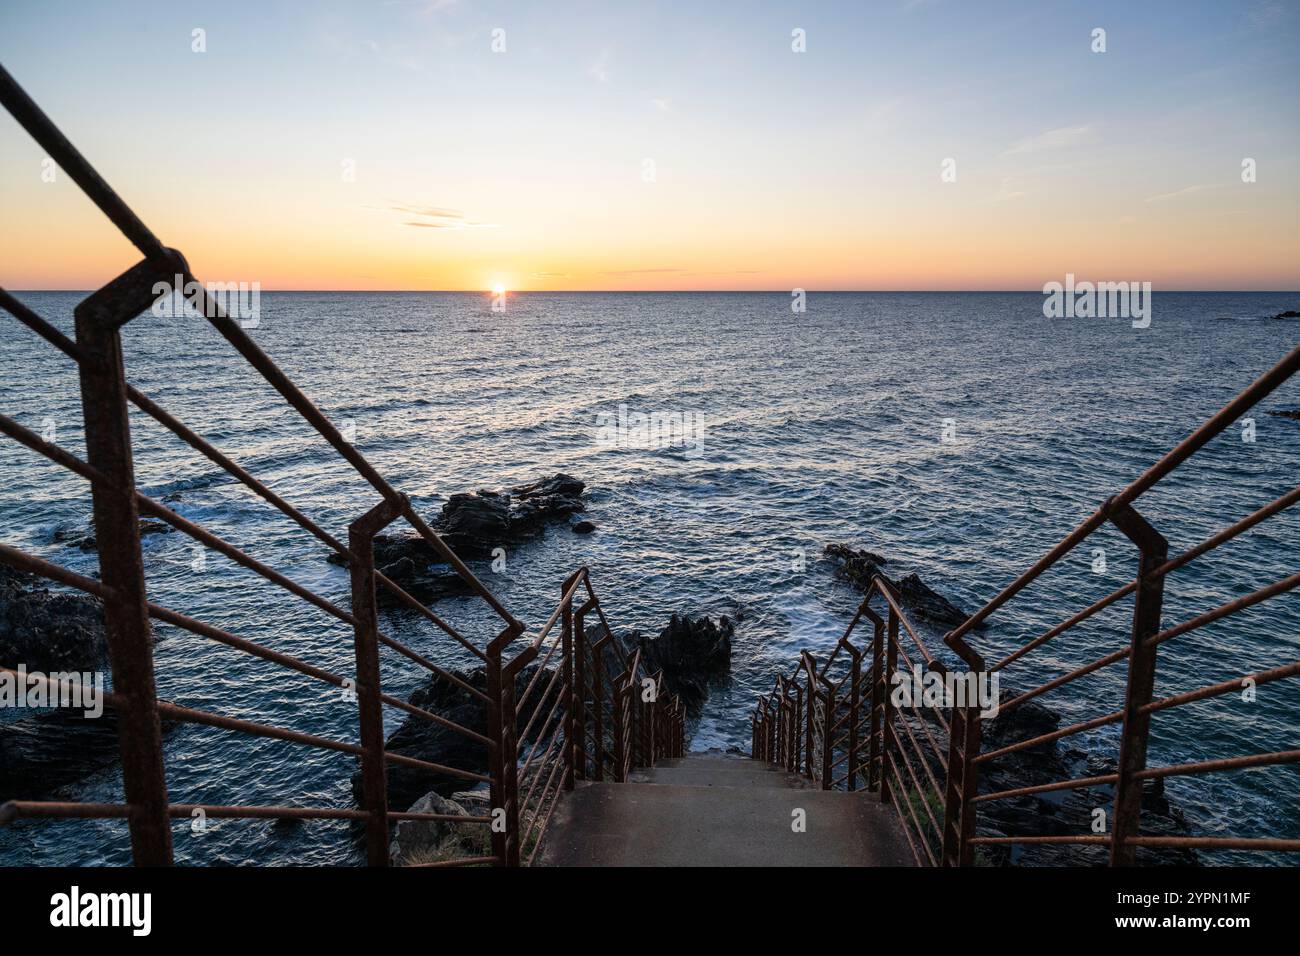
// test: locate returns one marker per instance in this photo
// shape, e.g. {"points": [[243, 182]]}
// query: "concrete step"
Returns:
{"points": [[709, 773], [661, 824]]}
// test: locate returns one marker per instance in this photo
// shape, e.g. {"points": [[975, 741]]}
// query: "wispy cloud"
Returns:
{"points": [[1185, 191], [638, 272], [662, 105], [600, 69], [438, 217], [1062, 138]]}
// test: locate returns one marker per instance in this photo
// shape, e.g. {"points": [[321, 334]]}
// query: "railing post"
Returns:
{"points": [[580, 693], [620, 732], [855, 700], [887, 721], [365, 641], [99, 320], [503, 755], [810, 716], [879, 703], [598, 697], [828, 751], [796, 738], [570, 692], [1141, 683]]}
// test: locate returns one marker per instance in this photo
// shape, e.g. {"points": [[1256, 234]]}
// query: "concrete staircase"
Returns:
{"points": [[713, 809]]}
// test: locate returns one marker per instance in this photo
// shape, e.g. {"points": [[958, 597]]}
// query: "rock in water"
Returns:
{"points": [[692, 652], [48, 631], [859, 567], [473, 526], [427, 841]]}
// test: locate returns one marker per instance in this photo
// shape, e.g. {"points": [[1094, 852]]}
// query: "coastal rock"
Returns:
{"points": [[429, 841], [583, 527], [473, 526], [1289, 314], [421, 738], [692, 652], [84, 538], [1287, 413], [53, 748], [859, 567], [48, 631]]}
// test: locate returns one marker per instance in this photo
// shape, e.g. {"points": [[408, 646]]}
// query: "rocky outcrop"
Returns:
{"points": [[473, 526], [423, 739], [1287, 413], [1289, 314], [48, 631], [84, 537], [432, 841], [692, 652], [859, 567]]}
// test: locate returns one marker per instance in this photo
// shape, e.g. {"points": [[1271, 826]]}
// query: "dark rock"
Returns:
{"points": [[1287, 413], [421, 738], [859, 567], [48, 631], [692, 652], [475, 525], [51, 749], [85, 538], [583, 527], [1289, 314]]}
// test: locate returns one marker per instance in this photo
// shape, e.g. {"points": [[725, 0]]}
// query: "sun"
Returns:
{"points": [[498, 289]]}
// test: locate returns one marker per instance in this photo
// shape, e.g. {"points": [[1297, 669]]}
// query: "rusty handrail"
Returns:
{"points": [[109, 470], [861, 730]]}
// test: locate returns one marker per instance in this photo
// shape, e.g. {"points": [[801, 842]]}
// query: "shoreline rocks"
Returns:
{"points": [[46, 630], [859, 567], [473, 526], [693, 653]]}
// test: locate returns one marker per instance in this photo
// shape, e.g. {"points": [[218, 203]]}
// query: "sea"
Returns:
{"points": [[959, 435]]}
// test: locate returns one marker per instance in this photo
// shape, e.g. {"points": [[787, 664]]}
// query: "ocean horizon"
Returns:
{"points": [[959, 435]]}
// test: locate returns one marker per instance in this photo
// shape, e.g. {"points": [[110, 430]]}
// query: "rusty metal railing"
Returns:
{"points": [[518, 815], [834, 721]]}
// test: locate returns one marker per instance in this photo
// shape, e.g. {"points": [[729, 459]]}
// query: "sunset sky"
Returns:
{"points": [[772, 169]]}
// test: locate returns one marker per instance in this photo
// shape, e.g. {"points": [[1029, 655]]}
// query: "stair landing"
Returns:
{"points": [[719, 810]]}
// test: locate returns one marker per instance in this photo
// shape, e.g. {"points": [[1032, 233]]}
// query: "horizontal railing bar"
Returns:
{"points": [[1096, 722], [1047, 840], [1226, 763], [17, 809], [1224, 610], [1224, 687], [460, 861], [438, 817], [1066, 678], [1264, 844], [1080, 782], [1065, 625]]}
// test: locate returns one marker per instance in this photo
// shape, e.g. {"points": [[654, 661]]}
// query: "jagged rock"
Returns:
{"points": [[51, 749], [1287, 413], [84, 538], [427, 841], [1289, 314], [692, 652], [473, 526], [583, 527], [859, 567], [421, 738], [48, 631]]}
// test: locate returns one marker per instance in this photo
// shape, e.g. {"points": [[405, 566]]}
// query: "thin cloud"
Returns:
{"points": [[600, 69], [438, 217], [662, 105], [637, 272], [1062, 138], [1185, 191]]}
